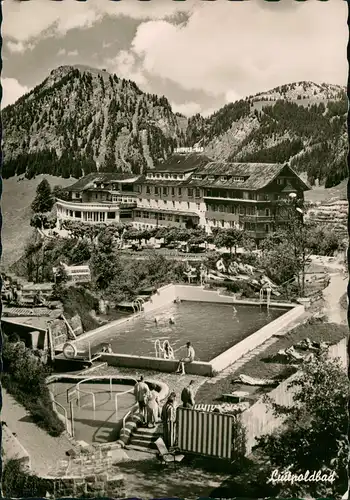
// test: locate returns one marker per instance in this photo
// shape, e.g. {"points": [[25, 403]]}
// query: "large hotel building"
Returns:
{"points": [[187, 190]]}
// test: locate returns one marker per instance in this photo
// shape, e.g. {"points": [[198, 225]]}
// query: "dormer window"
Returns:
{"points": [[238, 179], [224, 178], [211, 178], [102, 186], [197, 177]]}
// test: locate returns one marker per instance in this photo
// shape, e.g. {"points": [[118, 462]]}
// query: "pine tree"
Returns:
{"points": [[44, 200]]}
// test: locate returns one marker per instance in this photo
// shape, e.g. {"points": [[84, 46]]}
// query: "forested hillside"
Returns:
{"points": [[79, 120]]}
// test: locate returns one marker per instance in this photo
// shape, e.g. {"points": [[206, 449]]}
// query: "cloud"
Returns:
{"points": [[124, 65], [11, 91], [232, 96], [18, 47], [70, 53], [187, 108], [226, 46], [52, 19]]}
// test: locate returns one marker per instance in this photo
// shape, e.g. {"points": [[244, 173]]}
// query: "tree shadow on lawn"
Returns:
{"points": [[189, 479]]}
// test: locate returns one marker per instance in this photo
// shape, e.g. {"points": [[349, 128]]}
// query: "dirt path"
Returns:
{"points": [[44, 450], [332, 295]]}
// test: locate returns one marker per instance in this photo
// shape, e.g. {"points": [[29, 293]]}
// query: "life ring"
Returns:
{"points": [[69, 350]]}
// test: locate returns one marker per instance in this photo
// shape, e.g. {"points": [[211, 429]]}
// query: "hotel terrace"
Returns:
{"points": [[187, 190]]}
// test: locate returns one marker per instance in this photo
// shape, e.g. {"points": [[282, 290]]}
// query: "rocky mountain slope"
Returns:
{"points": [[306, 127], [81, 119]]}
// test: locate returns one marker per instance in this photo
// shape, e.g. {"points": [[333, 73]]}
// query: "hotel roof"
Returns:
{"points": [[89, 180], [256, 175], [183, 163]]}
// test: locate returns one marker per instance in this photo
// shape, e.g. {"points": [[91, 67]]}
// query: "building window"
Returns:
{"points": [[251, 196], [148, 189], [180, 192], [188, 204], [172, 191], [198, 206], [177, 218], [280, 181], [156, 190], [166, 176], [267, 228], [198, 193], [157, 175], [190, 192], [267, 212], [110, 215], [165, 191], [242, 210], [173, 203]]}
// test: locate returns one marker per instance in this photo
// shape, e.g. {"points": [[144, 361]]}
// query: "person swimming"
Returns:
{"points": [[171, 320]]}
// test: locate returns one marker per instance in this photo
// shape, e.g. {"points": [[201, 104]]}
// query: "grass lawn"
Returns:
{"points": [[16, 199], [261, 367]]}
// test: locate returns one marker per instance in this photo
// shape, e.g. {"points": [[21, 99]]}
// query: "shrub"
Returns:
{"points": [[24, 377]]}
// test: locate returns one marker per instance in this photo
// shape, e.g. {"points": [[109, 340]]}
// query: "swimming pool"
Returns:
{"points": [[102, 424], [212, 328]]}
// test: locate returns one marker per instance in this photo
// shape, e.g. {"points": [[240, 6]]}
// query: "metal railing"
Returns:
{"points": [[81, 391], [118, 394], [57, 404], [127, 415]]}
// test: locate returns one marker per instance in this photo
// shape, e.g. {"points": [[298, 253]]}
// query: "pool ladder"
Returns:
{"points": [[268, 297], [160, 350]]}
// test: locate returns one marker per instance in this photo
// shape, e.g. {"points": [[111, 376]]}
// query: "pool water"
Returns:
{"points": [[102, 425], [212, 328]]}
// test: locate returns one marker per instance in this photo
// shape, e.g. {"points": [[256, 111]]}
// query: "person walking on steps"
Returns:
{"points": [[152, 408], [141, 393], [186, 360]]}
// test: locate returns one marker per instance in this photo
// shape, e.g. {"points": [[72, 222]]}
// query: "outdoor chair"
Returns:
{"points": [[166, 457]]}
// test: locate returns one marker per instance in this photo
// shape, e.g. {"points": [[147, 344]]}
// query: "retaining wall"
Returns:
{"points": [[158, 364], [88, 486]]}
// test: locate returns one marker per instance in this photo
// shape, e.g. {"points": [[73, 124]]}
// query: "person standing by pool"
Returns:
{"points": [[141, 393], [169, 420], [188, 359], [187, 396]]}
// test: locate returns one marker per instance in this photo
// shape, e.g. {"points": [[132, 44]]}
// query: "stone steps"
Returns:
{"points": [[144, 438]]}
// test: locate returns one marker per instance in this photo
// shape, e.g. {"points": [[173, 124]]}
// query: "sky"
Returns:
{"points": [[199, 54]]}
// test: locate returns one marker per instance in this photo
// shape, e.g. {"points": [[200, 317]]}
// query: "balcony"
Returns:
{"points": [[221, 216], [105, 206], [258, 219]]}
